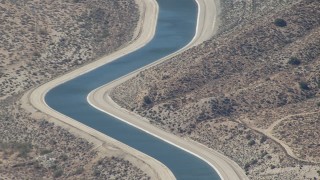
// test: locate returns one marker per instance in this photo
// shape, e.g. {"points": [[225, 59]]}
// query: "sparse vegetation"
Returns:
{"points": [[61, 41], [301, 140]]}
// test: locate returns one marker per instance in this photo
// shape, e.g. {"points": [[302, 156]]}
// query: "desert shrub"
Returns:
{"points": [[263, 154], [96, 172], [248, 164], [54, 166], [147, 100], [37, 165], [304, 86], [63, 157], [36, 54], [294, 61], [253, 162], [45, 151], [248, 136], [24, 149], [280, 22], [100, 162], [318, 104], [263, 139], [43, 32], [105, 34], [251, 143], [79, 170], [57, 173]]}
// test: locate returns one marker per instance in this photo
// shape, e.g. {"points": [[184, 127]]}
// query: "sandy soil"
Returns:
{"points": [[100, 99], [34, 100]]}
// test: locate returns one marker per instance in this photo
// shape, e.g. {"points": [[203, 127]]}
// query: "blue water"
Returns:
{"points": [[175, 29]]}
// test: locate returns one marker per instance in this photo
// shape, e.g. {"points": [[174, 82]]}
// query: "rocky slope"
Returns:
{"points": [[252, 92]]}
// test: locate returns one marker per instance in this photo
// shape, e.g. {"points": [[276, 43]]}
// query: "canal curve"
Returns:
{"points": [[176, 27]]}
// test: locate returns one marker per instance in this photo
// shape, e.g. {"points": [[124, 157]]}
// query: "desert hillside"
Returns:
{"points": [[252, 92], [41, 39]]}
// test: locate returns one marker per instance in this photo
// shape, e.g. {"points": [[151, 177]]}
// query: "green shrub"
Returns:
{"points": [[36, 54], [79, 170], [263, 139], [45, 151], [43, 32], [24, 149], [147, 100], [57, 173], [263, 154], [54, 166], [304, 86], [246, 167], [248, 136], [251, 143], [96, 172], [253, 162], [63, 157], [280, 22], [294, 61], [248, 164]]}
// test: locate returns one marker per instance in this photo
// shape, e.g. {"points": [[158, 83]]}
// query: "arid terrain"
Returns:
{"points": [[252, 92], [41, 40]]}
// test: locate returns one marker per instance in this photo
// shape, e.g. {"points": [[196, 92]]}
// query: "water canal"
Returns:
{"points": [[176, 27]]}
